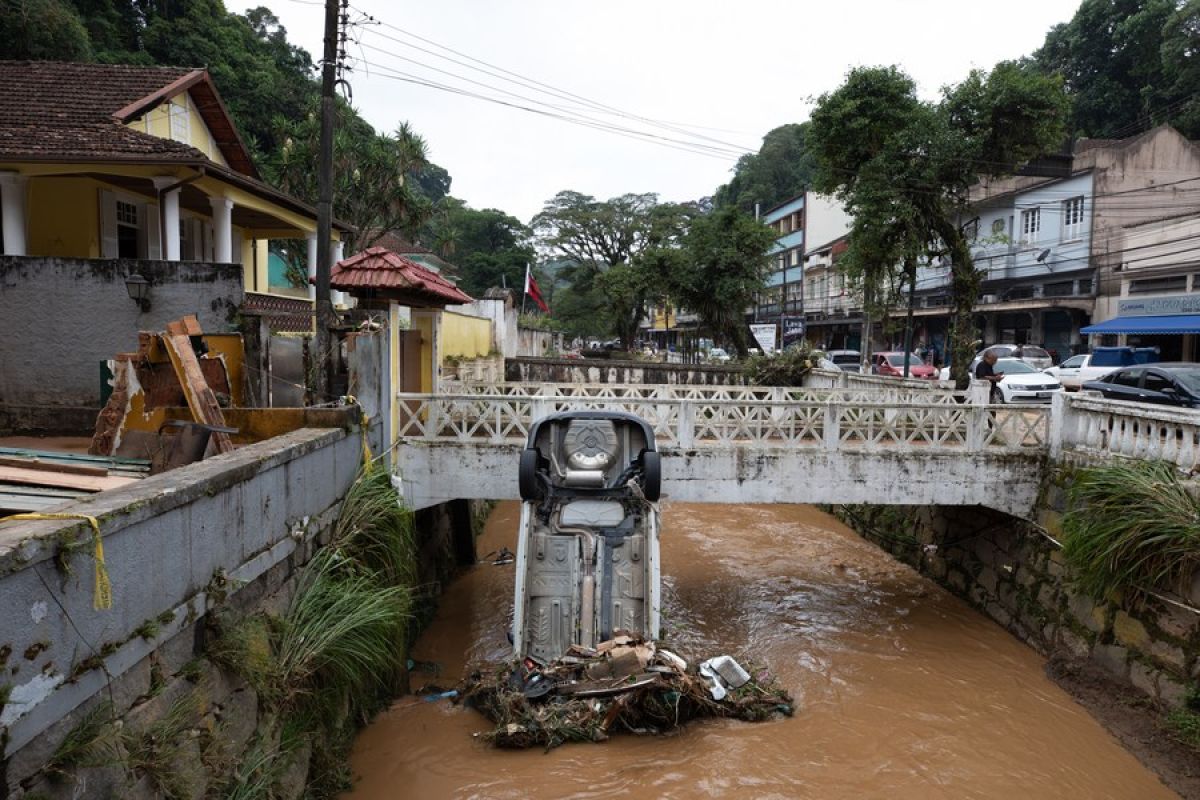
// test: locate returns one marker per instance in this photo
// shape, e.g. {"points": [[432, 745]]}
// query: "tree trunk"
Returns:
{"points": [[964, 286]]}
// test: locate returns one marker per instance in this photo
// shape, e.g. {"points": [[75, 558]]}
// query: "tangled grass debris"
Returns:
{"points": [[625, 685]]}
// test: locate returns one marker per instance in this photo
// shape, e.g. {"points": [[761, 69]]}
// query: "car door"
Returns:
{"points": [[1123, 385], [1068, 371], [1159, 388]]}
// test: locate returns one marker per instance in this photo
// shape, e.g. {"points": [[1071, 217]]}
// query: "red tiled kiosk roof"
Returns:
{"points": [[378, 272]]}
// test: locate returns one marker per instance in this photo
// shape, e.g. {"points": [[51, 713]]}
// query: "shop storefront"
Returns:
{"points": [[1170, 323]]}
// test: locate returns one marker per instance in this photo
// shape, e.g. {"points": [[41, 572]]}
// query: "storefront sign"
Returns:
{"points": [[1153, 306], [793, 330], [764, 334]]}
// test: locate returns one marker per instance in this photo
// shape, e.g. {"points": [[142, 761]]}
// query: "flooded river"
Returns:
{"points": [[902, 691]]}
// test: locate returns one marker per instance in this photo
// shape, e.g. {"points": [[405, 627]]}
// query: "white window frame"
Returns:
{"points": [[1031, 225], [1072, 213]]}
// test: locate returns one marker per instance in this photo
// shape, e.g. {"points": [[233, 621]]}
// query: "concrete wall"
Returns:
{"points": [[175, 546], [465, 336], [61, 317], [1013, 571], [562, 370], [435, 472]]}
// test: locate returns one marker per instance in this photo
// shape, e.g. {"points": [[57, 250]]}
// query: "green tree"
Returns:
{"points": [[371, 172], [903, 167], [43, 29], [489, 247], [723, 262], [606, 240], [781, 169], [1179, 92], [1111, 56]]}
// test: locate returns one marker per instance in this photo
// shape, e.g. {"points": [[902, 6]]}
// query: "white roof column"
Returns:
{"points": [[312, 265], [338, 298], [222, 216], [169, 211], [12, 212]]}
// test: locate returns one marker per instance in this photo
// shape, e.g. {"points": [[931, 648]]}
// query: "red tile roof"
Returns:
{"points": [[379, 269], [58, 110]]}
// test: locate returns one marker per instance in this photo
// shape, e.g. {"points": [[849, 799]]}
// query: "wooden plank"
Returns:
{"points": [[200, 397], [85, 458], [21, 503], [87, 483], [68, 469]]}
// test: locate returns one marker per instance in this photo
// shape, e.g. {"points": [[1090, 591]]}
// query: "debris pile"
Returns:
{"points": [[624, 684]]}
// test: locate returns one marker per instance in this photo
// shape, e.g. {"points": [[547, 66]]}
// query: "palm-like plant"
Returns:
{"points": [[1131, 527]]}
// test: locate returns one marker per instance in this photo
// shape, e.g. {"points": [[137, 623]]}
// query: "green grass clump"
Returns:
{"points": [[94, 742], [1185, 725], [1131, 527]]}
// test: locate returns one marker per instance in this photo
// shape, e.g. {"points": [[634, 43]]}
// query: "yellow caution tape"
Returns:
{"points": [[102, 596]]}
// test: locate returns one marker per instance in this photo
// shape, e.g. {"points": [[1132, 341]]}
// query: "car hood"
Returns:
{"points": [[1030, 379]]}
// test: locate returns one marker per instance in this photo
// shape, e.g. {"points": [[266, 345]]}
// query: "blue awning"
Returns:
{"points": [[1167, 323]]}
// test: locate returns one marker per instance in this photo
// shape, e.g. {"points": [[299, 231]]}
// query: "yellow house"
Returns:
{"points": [[141, 162]]}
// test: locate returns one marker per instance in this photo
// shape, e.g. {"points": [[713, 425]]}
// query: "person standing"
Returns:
{"points": [[986, 371]]}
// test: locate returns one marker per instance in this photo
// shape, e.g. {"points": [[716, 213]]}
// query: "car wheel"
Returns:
{"points": [[651, 475], [527, 478]]}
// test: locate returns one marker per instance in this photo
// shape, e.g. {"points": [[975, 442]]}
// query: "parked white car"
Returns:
{"points": [[718, 355], [1075, 370], [1024, 384]]}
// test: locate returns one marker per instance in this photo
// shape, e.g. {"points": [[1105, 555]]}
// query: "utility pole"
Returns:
{"points": [[911, 273], [325, 202]]}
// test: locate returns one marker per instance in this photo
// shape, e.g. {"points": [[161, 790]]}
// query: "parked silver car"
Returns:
{"points": [[1035, 357], [846, 360]]}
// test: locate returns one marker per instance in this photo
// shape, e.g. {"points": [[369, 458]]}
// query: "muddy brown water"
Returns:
{"points": [[902, 691]]}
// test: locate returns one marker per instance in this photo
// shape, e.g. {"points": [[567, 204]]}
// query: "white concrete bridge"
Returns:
{"points": [[899, 444]]}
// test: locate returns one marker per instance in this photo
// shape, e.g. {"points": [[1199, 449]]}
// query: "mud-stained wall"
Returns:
{"points": [[1013, 571], [62, 317]]}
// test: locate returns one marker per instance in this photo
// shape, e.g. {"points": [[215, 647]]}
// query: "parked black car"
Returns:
{"points": [[1163, 384]]}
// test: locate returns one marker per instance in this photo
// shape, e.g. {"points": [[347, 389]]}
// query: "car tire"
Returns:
{"points": [[651, 475], [527, 478]]}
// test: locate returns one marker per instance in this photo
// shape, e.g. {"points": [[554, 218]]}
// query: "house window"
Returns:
{"points": [[180, 126], [1156, 285], [128, 227], [1073, 218], [1031, 223], [1060, 289]]}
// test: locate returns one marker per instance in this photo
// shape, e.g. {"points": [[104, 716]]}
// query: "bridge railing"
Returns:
{"points": [[883, 390], [689, 422], [1092, 425]]}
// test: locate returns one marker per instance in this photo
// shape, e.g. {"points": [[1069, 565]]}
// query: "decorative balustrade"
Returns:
{"points": [[1090, 424], [885, 390], [727, 417]]}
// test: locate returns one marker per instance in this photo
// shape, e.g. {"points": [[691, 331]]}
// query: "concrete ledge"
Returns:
{"points": [[432, 473]]}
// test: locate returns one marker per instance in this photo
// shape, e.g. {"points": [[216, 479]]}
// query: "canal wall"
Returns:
{"points": [[1012, 570], [132, 701]]}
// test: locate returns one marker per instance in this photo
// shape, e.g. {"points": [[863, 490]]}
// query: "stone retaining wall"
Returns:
{"points": [[1013, 572]]}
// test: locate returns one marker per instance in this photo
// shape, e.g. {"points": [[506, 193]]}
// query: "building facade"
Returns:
{"points": [[1058, 254]]}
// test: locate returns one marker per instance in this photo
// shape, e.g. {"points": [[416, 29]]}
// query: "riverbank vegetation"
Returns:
{"points": [[1131, 527], [331, 660]]}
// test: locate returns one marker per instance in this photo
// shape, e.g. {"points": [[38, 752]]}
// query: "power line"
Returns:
{"points": [[674, 144], [540, 85], [566, 111]]}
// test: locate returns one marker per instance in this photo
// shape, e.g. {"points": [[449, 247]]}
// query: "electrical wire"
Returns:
{"points": [[565, 111]]}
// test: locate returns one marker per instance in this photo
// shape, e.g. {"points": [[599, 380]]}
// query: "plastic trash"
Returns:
{"points": [[730, 671], [716, 687], [433, 698]]}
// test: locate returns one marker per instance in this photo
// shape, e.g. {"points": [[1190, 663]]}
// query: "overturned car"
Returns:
{"points": [[587, 551]]}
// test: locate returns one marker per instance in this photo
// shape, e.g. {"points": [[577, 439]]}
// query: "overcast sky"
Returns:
{"points": [[724, 70]]}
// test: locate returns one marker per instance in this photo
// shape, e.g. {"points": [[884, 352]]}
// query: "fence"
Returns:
{"points": [[1091, 425]]}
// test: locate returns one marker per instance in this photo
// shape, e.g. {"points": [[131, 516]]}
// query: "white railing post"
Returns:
{"points": [[977, 427], [979, 393], [1062, 423], [685, 431], [833, 426]]}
